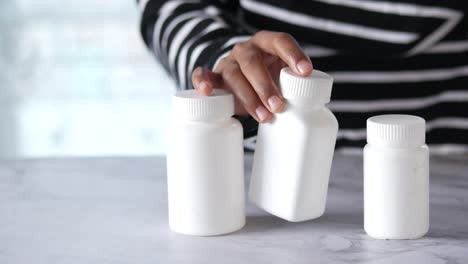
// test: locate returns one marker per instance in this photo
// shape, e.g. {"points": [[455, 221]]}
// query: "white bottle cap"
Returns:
{"points": [[316, 86], [190, 105], [396, 130]]}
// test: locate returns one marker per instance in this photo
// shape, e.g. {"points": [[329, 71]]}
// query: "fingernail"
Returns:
{"points": [[304, 66], [203, 86], [275, 103], [262, 113]]}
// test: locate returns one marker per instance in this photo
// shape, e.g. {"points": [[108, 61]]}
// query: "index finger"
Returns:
{"points": [[284, 46]]}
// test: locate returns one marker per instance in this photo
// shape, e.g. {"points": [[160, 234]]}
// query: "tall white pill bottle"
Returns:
{"points": [[205, 165], [396, 178], [294, 152]]}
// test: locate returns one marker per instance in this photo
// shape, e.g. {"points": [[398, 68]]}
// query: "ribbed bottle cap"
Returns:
{"points": [[190, 105], [316, 86], [396, 130]]}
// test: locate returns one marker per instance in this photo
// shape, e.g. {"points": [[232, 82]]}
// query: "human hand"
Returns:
{"points": [[251, 71]]}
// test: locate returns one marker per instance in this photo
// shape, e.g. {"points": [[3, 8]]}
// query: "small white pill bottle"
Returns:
{"points": [[294, 152], [396, 178], [205, 165]]}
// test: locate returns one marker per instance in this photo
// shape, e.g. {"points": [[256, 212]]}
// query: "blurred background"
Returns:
{"points": [[77, 80]]}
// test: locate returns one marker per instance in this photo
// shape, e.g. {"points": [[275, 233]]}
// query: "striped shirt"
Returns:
{"points": [[407, 57]]}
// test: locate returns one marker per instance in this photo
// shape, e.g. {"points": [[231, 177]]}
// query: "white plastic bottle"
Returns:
{"points": [[294, 152], [205, 165], [396, 178]]}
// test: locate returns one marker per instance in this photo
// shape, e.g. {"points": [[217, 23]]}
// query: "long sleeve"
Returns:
{"points": [[408, 57], [184, 34]]}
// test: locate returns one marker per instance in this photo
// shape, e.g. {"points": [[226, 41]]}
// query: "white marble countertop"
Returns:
{"points": [[113, 210]]}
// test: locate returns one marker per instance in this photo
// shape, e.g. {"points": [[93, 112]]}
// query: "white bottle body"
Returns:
{"points": [[206, 177], [292, 162], [396, 192]]}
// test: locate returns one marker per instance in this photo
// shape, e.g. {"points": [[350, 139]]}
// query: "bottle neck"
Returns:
{"points": [[396, 146], [306, 104]]}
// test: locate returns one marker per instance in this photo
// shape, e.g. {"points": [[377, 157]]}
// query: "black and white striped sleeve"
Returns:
{"points": [[184, 34]]}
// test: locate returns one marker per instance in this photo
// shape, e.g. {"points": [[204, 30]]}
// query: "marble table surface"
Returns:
{"points": [[114, 210]]}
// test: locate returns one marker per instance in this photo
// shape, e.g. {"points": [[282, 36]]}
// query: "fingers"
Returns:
{"points": [[284, 46], [251, 71], [275, 69], [231, 78], [244, 92], [204, 80], [252, 64]]}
